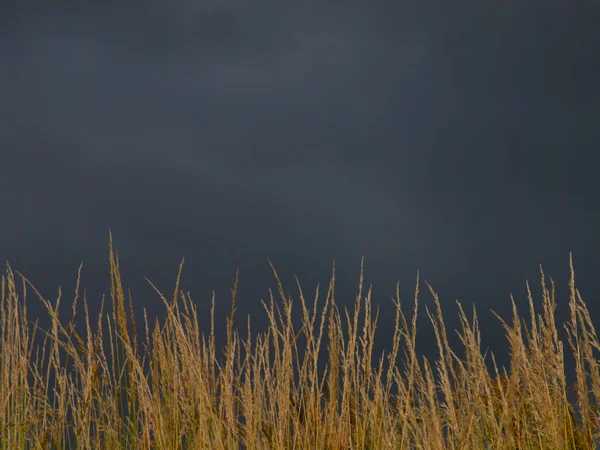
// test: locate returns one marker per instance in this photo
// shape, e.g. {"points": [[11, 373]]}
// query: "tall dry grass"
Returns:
{"points": [[100, 390]]}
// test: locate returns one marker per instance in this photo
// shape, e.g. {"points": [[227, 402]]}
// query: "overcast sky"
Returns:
{"points": [[458, 138]]}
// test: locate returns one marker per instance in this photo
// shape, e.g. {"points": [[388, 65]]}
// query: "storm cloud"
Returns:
{"points": [[455, 138]]}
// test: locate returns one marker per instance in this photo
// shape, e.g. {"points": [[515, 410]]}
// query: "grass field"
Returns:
{"points": [[100, 389]]}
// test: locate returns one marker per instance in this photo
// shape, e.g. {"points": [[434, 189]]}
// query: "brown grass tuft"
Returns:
{"points": [[100, 391]]}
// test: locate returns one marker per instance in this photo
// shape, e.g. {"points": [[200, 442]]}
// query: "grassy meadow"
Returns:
{"points": [[118, 384]]}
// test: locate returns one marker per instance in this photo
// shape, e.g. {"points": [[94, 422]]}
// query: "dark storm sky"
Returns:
{"points": [[458, 138]]}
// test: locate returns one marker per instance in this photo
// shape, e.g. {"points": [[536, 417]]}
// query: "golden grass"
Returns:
{"points": [[100, 391]]}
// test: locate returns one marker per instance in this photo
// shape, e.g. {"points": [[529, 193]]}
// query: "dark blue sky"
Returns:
{"points": [[456, 138]]}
